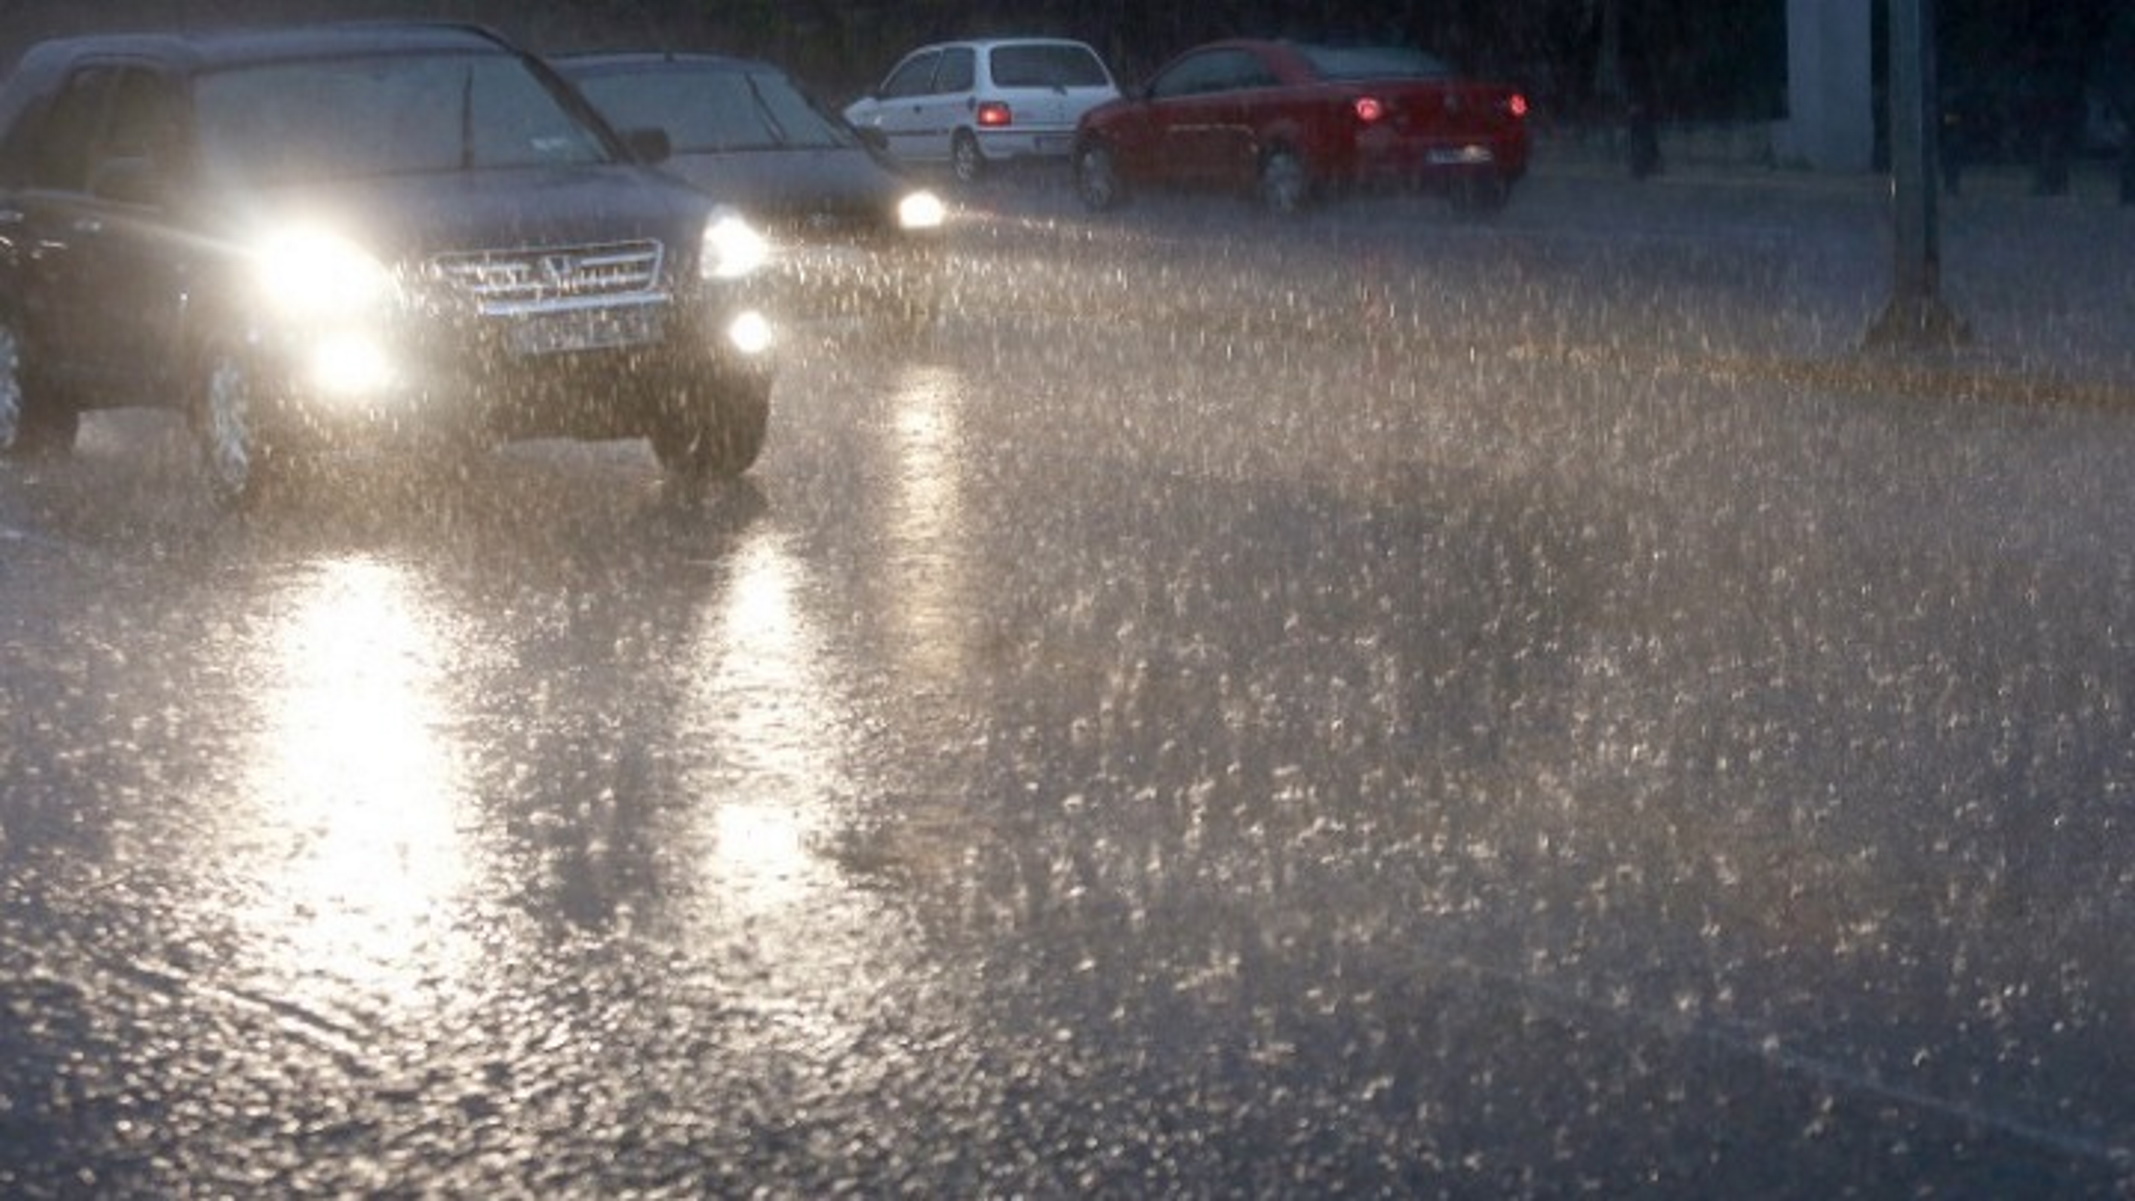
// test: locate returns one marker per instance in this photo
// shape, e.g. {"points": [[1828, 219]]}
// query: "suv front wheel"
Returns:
{"points": [[226, 418], [715, 439], [29, 422]]}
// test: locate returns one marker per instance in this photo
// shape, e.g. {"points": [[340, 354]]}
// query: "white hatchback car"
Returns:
{"points": [[973, 104]]}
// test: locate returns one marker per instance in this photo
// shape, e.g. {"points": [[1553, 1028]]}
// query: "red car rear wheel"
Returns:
{"points": [[1097, 177], [1285, 184]]}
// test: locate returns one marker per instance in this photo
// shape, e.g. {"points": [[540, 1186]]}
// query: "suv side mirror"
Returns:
{"points": [[651, 146]]}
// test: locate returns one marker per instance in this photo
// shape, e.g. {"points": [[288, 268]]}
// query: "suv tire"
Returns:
{"points": [[227, 420], [29, 422], [715, 441]]}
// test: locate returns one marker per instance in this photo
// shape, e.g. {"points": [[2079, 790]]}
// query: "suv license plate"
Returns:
{"points": [[589, 329]]}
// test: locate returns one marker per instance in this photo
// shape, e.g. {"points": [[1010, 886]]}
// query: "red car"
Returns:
{"points": [[1295, 121]]}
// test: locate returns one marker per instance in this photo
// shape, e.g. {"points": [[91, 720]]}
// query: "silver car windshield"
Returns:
{"points": [[384, 115], [716, 110]]}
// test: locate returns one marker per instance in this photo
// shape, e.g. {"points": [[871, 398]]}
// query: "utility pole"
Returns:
{"points": [[1916, 316]]}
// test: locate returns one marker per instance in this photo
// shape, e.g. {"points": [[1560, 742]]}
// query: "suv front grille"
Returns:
{"points": [[505, 283]]}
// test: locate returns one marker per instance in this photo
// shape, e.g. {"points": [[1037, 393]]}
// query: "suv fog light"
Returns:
{"points": [[750, 332], [349, 365]]}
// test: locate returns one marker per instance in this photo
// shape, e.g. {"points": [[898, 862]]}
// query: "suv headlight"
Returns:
{"points": [[733, 249], [310, 273]]}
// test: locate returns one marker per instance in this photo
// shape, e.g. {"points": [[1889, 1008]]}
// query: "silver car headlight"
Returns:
{"points": [[921, 210], [733, 248]]}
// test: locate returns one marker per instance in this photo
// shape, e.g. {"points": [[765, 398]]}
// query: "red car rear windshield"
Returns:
{"points": [[1373, 62]]}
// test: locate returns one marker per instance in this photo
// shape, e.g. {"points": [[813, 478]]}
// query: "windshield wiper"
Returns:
{"points": [[771, 122]]}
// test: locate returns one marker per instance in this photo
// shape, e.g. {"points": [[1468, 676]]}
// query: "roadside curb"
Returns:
{"points": [[1933, 377], [1937, 375], [2091, 182]]}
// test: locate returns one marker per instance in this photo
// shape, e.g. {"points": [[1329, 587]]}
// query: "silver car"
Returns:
{"points": [[852, 237], [978, 103]]}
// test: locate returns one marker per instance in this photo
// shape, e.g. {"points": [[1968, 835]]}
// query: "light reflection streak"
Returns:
{"points": [[356, 795], [780, 783], [764, 700], [761, 855], [780, 705], [927, 523]]}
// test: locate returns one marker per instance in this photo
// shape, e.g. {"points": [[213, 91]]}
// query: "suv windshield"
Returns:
{"points": [[385, 115], [716, 110]]}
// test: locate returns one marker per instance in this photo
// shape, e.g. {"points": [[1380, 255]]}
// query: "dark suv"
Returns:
{"points": [[312, 237]]}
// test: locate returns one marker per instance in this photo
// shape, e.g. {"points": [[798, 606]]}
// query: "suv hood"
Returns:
{"points": [[413, 217]]}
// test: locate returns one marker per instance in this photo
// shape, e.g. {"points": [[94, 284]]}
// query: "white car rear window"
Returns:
{"points": [[1048, 65]]}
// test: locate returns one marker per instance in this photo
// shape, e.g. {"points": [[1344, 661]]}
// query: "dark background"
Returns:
{"points": [[2006, 64]]}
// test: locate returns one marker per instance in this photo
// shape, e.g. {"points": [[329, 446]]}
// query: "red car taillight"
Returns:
{"points": [[1368, 109], [1516, 104], [995, 115]]}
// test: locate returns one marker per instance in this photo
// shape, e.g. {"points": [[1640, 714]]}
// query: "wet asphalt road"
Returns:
{"points": [[1378, 706]]}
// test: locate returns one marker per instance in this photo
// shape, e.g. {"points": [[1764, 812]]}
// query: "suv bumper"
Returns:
{"points": [[606, 372]]}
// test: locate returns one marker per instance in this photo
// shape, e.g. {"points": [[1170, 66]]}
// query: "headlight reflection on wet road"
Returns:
{"points": [[784, 787], [355, 796], [762, 699], [930, 599], [760, 856]]}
